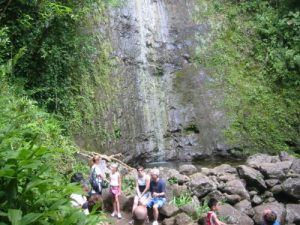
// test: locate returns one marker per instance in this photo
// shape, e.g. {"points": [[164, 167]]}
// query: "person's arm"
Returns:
{"points": [[147, 185], [217, 221], [120, 182], [137, 188], [162, 190]]}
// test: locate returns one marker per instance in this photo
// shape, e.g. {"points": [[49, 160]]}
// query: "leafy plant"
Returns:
{"points": [[201, 210], [184, 199], [128, 185], [173, 180]]}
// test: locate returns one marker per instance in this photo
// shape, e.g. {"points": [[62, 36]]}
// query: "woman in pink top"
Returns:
{"points": [[115, 189]]}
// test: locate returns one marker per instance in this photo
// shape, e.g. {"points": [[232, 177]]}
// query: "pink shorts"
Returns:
{"points": [[115, 190]]}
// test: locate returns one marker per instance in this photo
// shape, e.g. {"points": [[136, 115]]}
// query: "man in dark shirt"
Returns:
{"points": [[157, 189]]}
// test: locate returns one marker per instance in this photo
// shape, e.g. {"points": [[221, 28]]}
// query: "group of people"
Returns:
{"points": [[150, 194], [150, 191]]}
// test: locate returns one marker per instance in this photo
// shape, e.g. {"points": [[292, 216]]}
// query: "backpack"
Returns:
{"points": [[95, 183]]}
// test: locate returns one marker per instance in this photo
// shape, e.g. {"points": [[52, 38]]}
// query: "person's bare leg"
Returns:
{"points": [[155, 212], [117, 204], [135, 203]]}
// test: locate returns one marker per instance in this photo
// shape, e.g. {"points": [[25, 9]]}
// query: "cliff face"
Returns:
{"points": [[167, 109]]}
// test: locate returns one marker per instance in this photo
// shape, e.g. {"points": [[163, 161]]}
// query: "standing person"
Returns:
{"points": [[97, 176], [158, 191], [115, 189], [211, 218], [270, 217]]}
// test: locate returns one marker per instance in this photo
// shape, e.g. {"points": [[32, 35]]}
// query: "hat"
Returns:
{"points": [[154, 172]]}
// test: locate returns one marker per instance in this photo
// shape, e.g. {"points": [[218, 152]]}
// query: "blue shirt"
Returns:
{"points": [[158, 187]]}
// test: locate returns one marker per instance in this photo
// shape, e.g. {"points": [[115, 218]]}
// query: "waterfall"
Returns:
{"points": [[152, 16]]}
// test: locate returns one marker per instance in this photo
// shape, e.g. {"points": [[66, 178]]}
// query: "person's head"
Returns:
{"points": [[140, 215], [96, 159], [154, 174], [269, 217], [114, 167], [95, 202], [140, 170], [213, 204], [76, 178]]}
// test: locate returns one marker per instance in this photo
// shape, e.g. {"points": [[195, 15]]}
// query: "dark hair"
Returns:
{"points": [[270, 218], [95, 200], [139, 168], [76, 178], [212, 202]]}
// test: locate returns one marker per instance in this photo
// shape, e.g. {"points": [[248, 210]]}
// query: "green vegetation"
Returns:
{"points": [[128, 185], [184, 199], [35, 161], [173, 180], [66, 65], [201, 209], [253, 54], [50, 62]]}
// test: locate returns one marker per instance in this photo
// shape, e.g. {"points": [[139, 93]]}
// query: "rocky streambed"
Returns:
{"points": [[263, 181]]}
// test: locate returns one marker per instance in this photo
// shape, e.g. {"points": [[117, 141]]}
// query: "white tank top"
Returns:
{"points": [[114, 179], [142, 180]]}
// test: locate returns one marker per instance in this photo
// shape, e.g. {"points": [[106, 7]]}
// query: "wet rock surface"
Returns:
{"points": [[165, 108]]}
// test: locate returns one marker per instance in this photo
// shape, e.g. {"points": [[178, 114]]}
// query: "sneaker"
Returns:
{"points": [[119, 216], [155, 222], [113, 214], [131, 222]]}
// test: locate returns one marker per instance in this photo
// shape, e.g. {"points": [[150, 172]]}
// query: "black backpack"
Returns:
{"points": [[96, 185]]}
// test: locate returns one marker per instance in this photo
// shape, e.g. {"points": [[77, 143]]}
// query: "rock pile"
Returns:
{"points": [[263, 182]]}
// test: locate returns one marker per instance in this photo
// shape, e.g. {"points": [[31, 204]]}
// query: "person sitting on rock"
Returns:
{"points": [[270, 217], [158, 191], [80, 200], [140, 215], [142, 188], [211, 218]]}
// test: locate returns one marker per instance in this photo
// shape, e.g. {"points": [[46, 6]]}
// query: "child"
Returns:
{"points": [[211, 218], [270, 217], [115, 189]]}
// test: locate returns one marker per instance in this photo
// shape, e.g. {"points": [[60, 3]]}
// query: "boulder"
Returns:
{"points": [[232, 199], [187, 169], [177, 190], [259, 158], [293, 213], [217, 195], [189, 209], [233, 216], [207, 171], [275, 170], [168, 210], [200, 185], [183, 219], [225, 177], [271, 182], [275, 206], [256, 200], [253, 177], [276, 189], [296, 166], [169, 221], [291, 187], [224, 168], [236, 187], [167, 173], [252, 193], [245, 207]]}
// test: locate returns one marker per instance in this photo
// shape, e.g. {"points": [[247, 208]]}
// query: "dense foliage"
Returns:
{"points": [[255, 61], [65, 64], [35, 159], [48, 62]]}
